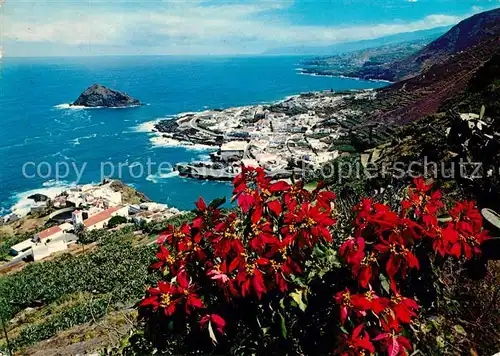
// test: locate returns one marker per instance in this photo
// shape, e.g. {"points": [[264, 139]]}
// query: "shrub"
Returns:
{"points": [[116, 220], [285, 274]]}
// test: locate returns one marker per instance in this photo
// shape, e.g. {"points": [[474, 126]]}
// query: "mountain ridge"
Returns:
{"points": [[461, 37], [358, 45]]}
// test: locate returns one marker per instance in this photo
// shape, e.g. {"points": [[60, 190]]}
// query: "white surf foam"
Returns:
{"points": [[51, 188], [160, 141], [146, 126], [157, 177], [79, 107], [69, 106]]}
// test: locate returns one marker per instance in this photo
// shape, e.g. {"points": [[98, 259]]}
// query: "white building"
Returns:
{"points": [[22, 247], [100, 220], [49, 233], [233, 149], [77, 217]]}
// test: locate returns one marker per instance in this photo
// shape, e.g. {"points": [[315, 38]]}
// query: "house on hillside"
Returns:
{"points": [[21, 247], [100, 220], [233, 150], [50, 233]]}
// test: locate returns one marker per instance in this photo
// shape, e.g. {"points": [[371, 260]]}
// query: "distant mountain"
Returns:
{"points": [[465, 35], [363, 63], [358, 45], [425, 93], [459, 72]]}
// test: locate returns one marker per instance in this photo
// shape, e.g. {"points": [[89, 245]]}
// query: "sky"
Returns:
{"points": [[212, 27]]}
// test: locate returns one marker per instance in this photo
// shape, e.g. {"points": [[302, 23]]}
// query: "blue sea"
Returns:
{"points": [[37, 128]]}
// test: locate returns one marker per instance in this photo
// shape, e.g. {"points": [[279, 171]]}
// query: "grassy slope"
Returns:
{"points": [[66, 298]]}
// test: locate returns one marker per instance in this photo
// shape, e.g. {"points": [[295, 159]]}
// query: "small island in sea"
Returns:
{"points": [[98, 96]]}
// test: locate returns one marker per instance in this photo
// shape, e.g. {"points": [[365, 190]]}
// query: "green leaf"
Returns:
{"points": [[440, 342], [283, 325], [385, 283], [297, 297], [217, 202], [483, 111], [460, 330]]}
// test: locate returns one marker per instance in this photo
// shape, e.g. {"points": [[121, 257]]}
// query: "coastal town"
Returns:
{"points": [[287, 138], [81, 208]]}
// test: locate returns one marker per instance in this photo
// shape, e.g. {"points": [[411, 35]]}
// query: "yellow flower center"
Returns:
{"points": [[165, 300], [250, 268], [310, 222]]}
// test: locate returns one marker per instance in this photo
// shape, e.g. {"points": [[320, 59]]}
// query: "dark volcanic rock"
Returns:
{"points": [[100, 96], [37, 197], [169, 126]]}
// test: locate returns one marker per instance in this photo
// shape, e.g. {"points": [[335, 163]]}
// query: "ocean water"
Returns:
{"points": [[37, 129]]}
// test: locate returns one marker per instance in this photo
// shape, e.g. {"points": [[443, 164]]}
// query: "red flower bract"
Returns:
{"points": [[273, 246]]}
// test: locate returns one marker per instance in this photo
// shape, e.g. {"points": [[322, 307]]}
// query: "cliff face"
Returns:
{"points": [[468, 33], [99, 96], [462, 81], [482, 90], [425, 93]]}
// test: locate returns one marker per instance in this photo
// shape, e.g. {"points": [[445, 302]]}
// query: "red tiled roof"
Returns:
{"points": [[49, 232], [103, 215]]}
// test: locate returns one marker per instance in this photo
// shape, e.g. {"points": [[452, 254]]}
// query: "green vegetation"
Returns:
{"points": [[8, 242], [116, 270], [75, 289], [116, 220]]}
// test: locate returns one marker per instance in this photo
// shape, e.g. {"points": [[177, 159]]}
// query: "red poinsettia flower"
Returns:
{"points": [[275, 206], [260, 231], [166, 296], [343, 298], [248, 186], [358, 343], [221, 275], [313, 224], [370, 301], [400, 257], [468, 240], [227, 237], [396, 345], [215, 320], [365, 271], [353, 250], [325, 199], [466, 211], [421, 201], [280, 186], [206, 215], [165, 258], [174, 235], [191, 299], [251, 278], [404, 308]]}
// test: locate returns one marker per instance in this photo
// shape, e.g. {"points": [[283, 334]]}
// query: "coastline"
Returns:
{"points": [[302, 71], [287, 137], [66, 106]]}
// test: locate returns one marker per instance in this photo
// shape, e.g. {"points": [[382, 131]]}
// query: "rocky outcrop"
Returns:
{"points": [[99, 96], [37, 197]]}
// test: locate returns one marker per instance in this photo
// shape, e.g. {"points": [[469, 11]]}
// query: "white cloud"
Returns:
{"points": [[476, 9], [197, 28]]}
